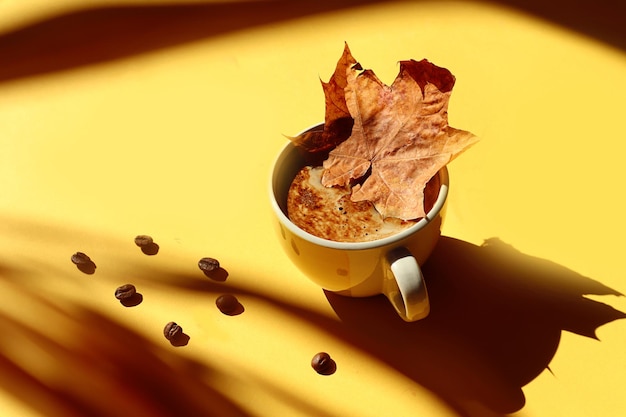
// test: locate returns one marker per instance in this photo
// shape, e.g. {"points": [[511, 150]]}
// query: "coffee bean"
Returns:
{"points": [[83, 263], [80, 258], [125, 292], [172, 331], [228, 304], [143, 240], [212, 269], [323, 364], [147, 245], [208, 264]]}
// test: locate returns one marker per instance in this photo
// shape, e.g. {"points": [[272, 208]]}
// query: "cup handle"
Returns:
{"points": [[404, 285]]}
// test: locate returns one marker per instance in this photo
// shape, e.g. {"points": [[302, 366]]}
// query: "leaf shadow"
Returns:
{"points": [[99, 34], [101, 368], [93, 365], [495, 324], [496, 321], [74, 360]]}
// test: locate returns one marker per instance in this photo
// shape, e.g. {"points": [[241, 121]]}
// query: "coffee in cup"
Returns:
{"points": [[329, 212]]}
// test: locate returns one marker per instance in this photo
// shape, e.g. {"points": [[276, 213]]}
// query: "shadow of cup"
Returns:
{"points": [[495, 324]]}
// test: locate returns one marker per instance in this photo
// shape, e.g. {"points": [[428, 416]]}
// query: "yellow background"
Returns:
{"points": [[116, 122]]}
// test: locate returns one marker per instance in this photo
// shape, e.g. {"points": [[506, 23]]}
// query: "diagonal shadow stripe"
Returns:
{"points": [[95, 35]]}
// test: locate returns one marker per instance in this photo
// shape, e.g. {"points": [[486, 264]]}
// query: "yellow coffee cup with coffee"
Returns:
{"points": [[389, 265]]}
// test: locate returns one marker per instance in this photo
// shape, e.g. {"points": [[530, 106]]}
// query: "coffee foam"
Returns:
{"points": [[328, 212]]}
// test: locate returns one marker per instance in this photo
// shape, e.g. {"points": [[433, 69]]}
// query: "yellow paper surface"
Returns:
{"points": [[176, 140]]}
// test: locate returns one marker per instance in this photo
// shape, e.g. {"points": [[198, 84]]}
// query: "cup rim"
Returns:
{"points": [[332, 244]]}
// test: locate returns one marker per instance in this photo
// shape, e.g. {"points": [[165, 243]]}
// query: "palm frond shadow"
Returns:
{"points": [[93, 35], [495, 325], [91, 365]]}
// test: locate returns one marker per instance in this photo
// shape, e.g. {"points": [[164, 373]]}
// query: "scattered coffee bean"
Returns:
{"points": [[80, 258], [212, 269], [147, 245], [172, 331], [125, 292], [143, 240], [228, 304], [208, 264], [323, 364], [83, 263]]}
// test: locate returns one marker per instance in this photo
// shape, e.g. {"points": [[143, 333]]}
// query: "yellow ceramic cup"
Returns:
{"points": [[389, 266]]}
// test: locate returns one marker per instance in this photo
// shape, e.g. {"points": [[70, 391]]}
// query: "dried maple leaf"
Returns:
{"points": [[337, 121], [400, 138]]}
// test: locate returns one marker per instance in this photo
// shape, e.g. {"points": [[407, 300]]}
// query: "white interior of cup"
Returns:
{"points": [[284, 170]]}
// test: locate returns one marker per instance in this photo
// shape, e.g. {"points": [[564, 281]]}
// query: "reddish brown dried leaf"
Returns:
{"points": [[400, 137], [335, 97], [338, 121]]}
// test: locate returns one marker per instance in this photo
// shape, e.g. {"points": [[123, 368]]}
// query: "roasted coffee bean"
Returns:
{"points": [[80, 258], [143, 241], [323, 364], [208, 264], [125, 292], [83, 263], [228, 304], [172, 331], [147, 245]]}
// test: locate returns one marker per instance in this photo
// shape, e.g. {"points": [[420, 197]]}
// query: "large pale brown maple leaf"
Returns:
{"points": [[400, 137]]}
